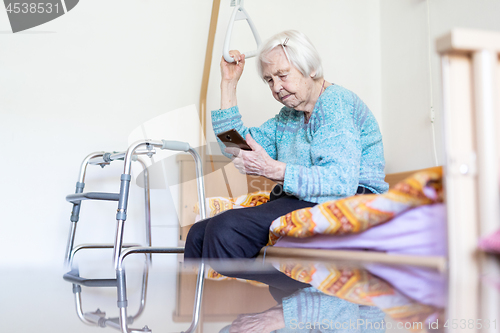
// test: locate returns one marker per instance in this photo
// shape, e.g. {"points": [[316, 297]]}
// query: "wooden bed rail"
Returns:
{"points": [[437, 263]]}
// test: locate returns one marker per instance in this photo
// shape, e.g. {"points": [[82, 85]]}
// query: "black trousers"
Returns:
{"points": [[242, 233]]}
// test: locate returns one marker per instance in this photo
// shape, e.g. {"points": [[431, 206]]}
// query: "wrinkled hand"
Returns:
{"points": [[231, 71], [257, 162], [265, 322]]}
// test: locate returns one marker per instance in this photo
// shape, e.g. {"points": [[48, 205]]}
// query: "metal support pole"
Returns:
{"points": [[201, 270], [200, 280], [147, 205], [79, 310]]}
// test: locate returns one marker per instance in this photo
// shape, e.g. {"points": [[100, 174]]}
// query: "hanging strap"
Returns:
{"points": [[239, 13]]}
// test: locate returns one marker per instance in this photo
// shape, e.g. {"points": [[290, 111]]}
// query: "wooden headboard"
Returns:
{"points": [[394, 178]]}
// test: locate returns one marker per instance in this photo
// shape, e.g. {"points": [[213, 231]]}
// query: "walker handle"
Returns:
{"points": [[175, 145], [239, 13]]}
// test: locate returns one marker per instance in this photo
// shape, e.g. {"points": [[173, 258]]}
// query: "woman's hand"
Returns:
{"points": [[257, 162], [231, 71], [265, 322]]}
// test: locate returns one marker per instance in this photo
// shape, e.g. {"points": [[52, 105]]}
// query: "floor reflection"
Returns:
{"points": [[349, 298], [338, 296]]}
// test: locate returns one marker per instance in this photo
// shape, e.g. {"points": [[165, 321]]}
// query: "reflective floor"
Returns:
{"points": [[306, 296]]}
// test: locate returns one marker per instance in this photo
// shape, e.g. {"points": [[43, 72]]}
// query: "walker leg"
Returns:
{"points": [[122, 299], [147, 204], [123, 303], [75, 215], [71, 242], [197, 299], [121, 216]]}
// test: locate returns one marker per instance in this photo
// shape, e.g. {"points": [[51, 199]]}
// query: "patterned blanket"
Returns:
{"points": [[359, 286], [345, 216]]}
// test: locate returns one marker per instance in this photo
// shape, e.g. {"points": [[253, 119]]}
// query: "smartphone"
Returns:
{"points": [[232, 138]]}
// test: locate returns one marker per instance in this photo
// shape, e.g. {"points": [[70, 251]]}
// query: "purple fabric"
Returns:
{"points": [[425, 285], [419, 231], [491, 243]]}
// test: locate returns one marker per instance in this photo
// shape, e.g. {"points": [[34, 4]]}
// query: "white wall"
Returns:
{"points": [[406, 78], [79, 84]]}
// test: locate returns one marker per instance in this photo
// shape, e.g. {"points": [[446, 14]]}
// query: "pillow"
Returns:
{"points": [[217, 205]]}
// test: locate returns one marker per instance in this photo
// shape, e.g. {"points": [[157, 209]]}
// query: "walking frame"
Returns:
{"points": [[120, 250]]}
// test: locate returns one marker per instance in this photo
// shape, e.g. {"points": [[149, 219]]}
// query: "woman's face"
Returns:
{"points": [[287, 83]]}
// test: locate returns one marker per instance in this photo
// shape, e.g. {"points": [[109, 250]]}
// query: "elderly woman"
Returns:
{"points": [[323, 145]]}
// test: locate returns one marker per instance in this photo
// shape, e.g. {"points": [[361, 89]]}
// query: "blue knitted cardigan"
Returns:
{"points": [[309, 310], [327, 158]]}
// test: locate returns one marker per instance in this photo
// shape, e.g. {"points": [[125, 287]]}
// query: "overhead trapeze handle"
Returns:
{"points": [[239, 13]]}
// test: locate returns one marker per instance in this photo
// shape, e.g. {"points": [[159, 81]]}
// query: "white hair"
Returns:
{"points": [[298, 49]]}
